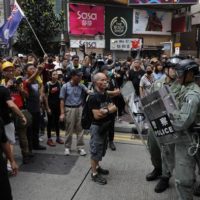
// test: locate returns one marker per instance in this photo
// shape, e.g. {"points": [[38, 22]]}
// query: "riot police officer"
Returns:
{"points": [[183, 120], [163, 165]]}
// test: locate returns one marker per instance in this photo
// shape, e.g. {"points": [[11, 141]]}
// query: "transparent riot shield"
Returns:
{"points": [[134, 108], [157, 108]]}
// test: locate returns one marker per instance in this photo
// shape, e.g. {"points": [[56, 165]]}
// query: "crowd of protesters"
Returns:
{"points": [[55, 88]]}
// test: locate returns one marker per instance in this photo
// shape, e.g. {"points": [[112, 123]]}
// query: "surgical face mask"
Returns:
{"points": [[149, 72]]}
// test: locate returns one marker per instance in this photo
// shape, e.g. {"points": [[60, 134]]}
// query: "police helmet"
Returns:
{"points": [[187, 65], [6, 65], [172, 62]]}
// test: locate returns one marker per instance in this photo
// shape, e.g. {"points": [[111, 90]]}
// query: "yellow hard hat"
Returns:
{"points": [[6, 65]]}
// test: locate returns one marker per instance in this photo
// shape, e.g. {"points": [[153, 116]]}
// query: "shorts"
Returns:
{"points": [[10, 132], [98, 143]]}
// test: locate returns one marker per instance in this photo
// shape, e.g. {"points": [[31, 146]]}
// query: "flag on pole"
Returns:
{"points": [[10, 26]]}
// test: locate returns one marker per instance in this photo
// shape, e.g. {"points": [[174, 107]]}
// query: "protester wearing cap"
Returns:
{"points": [[71, 101]]}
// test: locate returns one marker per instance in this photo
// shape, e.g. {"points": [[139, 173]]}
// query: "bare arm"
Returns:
{"points": [[99, 113], [103, 112], [46, 103], [113, 93], [141, 92], [37, 72], [62, 109], [9, 156], [16, 110]]}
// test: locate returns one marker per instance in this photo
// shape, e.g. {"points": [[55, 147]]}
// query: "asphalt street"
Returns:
{"points": [[53, 176]]}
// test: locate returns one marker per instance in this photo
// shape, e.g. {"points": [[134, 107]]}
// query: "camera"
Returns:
{"points": [[18, 81]]}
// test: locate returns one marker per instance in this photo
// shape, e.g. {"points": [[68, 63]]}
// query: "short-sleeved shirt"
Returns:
{"points": [[5, 112], [53, 92], [96, 102], [73, 95], [146, 83], [33, 99]]}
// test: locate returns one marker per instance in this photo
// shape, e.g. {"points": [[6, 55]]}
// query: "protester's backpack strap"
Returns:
{"points": [[86, 118]]}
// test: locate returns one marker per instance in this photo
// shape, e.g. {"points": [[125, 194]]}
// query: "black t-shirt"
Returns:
{"points": [[135, 77], [3, 139], [53, 92], [5, 112], [98, 101], [33, 99]]}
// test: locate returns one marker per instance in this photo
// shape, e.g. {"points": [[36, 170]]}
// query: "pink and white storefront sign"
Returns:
{"points": [[86, 19]]}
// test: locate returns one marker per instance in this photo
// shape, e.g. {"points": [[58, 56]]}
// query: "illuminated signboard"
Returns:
{"points": [[139, 2]]}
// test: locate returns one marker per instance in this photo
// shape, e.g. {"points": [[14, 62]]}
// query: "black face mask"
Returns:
{"points": [[50, 61], [149, 72]]}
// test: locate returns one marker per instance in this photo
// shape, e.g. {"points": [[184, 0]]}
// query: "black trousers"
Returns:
{"points": [[111, 132], [33, 130], [5, 189], [53, 121]]}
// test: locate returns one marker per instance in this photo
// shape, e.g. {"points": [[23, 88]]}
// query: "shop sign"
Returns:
{"points": [[126, 44], [90, 44], [86, 19]]}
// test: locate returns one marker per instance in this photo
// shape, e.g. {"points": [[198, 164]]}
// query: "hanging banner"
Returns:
{"points": [[126, 44], [152, 22], [118, 23], [153, 2], [2, 17], [182, 24], [86, 19]]}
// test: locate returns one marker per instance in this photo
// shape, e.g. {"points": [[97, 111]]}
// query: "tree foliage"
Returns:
{"points": [[45, 23]]}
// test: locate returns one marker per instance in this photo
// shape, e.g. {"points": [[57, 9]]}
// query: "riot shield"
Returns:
{"points": [[134, 108], [157, 108]]}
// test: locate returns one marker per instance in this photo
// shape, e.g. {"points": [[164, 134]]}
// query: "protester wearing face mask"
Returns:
{"points": [[146, 81]]}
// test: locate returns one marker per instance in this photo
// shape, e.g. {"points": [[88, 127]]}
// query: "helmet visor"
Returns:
{"points": [[179, 73]]}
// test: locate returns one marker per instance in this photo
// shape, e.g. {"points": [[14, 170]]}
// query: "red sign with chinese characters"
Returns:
{"points": [[86, 19]]}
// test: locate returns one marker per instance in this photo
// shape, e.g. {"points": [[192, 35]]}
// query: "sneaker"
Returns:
{"points": [[51, 143], [41, 138], [67, 152], [99, 179], [102, 171], [82, 152], [59, 141], [9, 168]]}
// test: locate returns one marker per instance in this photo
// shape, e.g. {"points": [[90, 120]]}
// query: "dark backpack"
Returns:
{"points": [[86, 118]]}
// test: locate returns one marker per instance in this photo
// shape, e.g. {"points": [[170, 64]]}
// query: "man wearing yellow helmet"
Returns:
{"points": [[16, 92], [7, 72]]}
